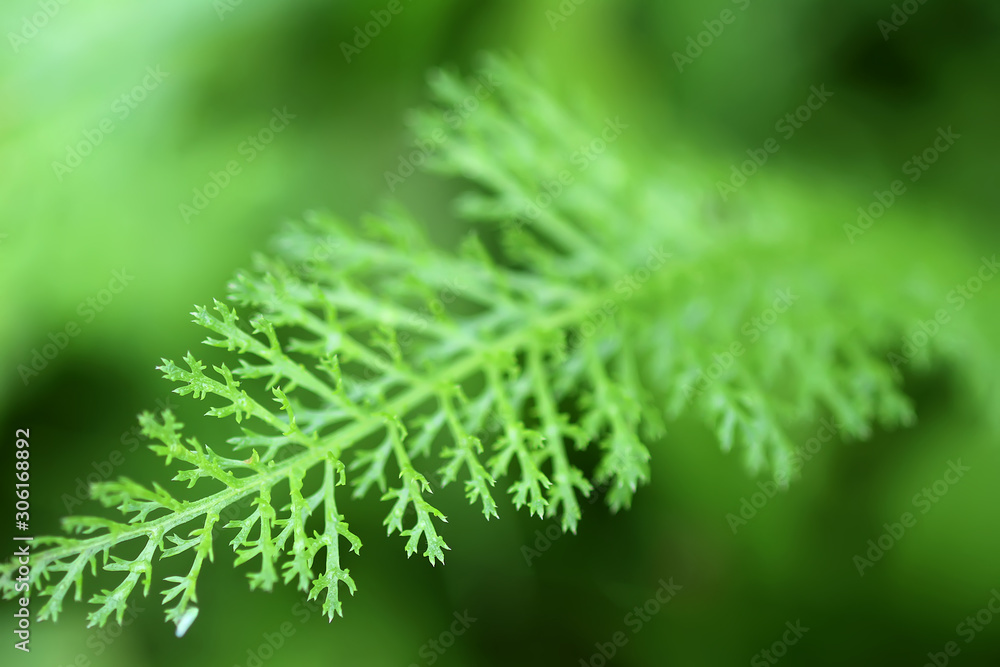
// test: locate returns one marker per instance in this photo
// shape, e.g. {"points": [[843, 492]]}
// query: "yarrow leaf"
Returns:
{"points": [[594, 301]]}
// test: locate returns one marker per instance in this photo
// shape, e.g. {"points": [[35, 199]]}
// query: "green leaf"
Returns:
{"points": [[610, 302]]}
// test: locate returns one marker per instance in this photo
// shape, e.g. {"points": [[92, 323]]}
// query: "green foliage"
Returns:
{"points": [[386, 363]]}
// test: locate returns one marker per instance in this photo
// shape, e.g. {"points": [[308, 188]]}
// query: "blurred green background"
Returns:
{"points": [[227, 65]]}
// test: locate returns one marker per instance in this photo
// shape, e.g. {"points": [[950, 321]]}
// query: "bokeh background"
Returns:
{"points": [[229, 63]]}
